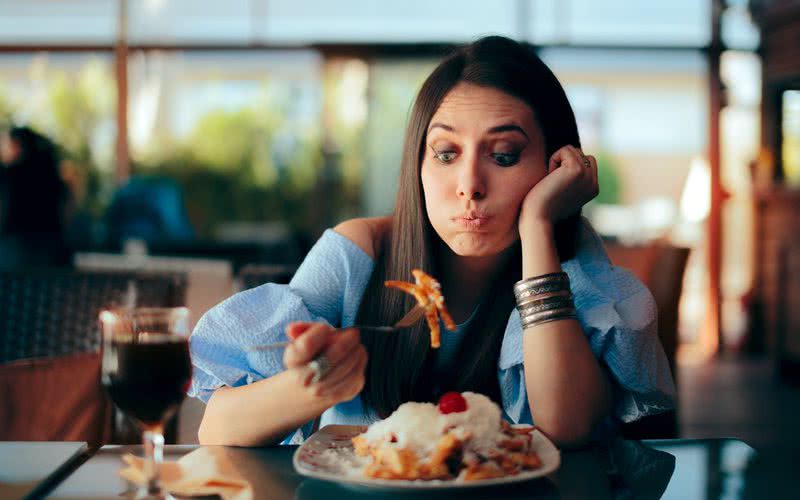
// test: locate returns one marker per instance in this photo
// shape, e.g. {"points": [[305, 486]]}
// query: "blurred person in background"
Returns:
{"points": [[33, 201], [149, 208]]}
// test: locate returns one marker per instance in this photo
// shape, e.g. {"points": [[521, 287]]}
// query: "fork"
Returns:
{"points": [[411, 317]]}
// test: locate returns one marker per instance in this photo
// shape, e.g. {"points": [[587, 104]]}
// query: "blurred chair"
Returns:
{"points": [[54, 312], [209, 281], [253, 275], [660, 267], [55, 399], [49, 351]]}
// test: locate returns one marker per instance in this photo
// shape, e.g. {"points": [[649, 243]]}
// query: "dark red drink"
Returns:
{"points": [[147, 375]]}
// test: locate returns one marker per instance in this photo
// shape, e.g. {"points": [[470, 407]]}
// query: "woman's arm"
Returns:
{"points": [[325, 289], [264, 412], [259, 414], [568, 392]]}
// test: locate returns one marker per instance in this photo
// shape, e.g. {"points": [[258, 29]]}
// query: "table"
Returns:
{"points": [[681, 469], [26, 468]]}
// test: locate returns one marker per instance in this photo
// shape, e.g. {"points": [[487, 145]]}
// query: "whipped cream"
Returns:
{"points": [[418, 426]]}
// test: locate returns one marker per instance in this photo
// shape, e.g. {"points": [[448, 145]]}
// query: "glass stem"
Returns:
{"points": [[153, 456]]}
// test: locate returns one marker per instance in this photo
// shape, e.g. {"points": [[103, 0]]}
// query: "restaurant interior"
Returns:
{"points": [[187, 150]]}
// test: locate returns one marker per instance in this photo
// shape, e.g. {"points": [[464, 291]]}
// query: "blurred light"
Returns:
{"points": [[145, 111], [657, 216], [353, 103], [696, 197], [737, 29], [790, 154], [617, 221], [108, 318], [741, 73], [153, 7]]}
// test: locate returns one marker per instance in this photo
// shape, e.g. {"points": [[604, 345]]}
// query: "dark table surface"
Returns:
{"points": [[684, 469], [26, 467]]}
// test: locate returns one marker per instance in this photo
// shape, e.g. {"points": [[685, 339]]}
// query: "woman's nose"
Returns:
{"points": [[471, 184]]}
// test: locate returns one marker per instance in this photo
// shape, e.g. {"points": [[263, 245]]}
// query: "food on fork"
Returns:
{"points": [[428, 293], [463, 437]]}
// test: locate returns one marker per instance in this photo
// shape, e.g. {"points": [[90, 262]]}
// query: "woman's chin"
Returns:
{"points": [[475, 245]]}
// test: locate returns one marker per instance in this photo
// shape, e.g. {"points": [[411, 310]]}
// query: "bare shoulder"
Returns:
{"points": [[367, 233]]}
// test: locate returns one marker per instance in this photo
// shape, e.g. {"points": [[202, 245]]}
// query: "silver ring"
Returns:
{"points": [[320, 365]]}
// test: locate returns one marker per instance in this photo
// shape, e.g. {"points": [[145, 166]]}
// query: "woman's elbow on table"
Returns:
{"points": [[212, 431], [223, 433], [205, 434], [217, 427], [566, 434]]}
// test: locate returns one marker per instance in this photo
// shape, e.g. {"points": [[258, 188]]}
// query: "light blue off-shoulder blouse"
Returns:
{"points": [[616, 311]]}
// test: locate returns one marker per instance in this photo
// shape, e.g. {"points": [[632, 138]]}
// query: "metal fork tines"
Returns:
{"points": [[409, 319]]}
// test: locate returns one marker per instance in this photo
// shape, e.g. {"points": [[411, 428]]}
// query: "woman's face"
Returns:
{"points": [[483, 153]]}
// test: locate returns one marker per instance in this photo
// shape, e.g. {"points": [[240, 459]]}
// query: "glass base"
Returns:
{"points": [[144, 493]]}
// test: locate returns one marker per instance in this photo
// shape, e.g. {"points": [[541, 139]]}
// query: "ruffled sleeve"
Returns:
{"points": [[618, 316], [327, 288]]}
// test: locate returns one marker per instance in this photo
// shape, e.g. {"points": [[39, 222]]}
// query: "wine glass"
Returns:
{"points": [[146, 370]]}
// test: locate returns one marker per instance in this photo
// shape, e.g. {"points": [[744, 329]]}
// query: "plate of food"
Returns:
{"points": [[462, 442]]}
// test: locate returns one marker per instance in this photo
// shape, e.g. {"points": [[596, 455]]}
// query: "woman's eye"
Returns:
{"points": [[444, 156], [505, 159]]}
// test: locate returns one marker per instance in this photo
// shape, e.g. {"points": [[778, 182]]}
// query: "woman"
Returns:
{"points": [[491, 186]]}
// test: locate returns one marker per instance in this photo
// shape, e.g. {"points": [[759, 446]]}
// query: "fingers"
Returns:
{"points": [[347, 380], [345, 374], [593, 170], [342, 349], [592, 161], [589, 167], [309, 342], [572, 157], [297, 328], [340, 354], [580, 169], [342, 345], [559, 158], [567, 155]]}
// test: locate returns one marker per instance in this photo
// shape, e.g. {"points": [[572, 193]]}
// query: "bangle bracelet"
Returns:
{"points": [[537, 281], [535, 316], [545, 298], [524, 285], [542, 289], [535, 306], [547, 316]]}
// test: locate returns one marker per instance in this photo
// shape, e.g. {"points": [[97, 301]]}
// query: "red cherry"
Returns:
{"points": [[452, 402]]}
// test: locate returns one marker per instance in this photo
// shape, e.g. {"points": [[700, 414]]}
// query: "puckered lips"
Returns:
{"points": [[472, 220]]}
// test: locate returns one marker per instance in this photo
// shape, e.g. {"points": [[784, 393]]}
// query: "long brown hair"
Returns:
{"points": [[400, 366]]}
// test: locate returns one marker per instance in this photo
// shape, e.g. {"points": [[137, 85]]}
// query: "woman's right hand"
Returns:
{"points": [[344, 351]]}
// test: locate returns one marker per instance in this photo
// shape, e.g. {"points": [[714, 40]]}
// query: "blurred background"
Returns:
{"points": [[219, 139]]}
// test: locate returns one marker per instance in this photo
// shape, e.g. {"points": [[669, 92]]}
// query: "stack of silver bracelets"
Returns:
{"points": [[543, 299]]}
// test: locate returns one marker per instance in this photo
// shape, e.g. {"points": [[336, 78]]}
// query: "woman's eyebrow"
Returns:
{"points": [[441, 125], [508, 128]]}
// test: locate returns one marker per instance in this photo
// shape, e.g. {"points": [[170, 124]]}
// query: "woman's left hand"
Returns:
{"points": [[570, 183]]}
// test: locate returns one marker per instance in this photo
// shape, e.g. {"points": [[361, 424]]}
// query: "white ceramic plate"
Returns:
{"points": [[328, 455]]}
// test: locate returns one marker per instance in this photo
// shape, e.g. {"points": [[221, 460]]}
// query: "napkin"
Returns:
{"points": [[205, 471]]}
